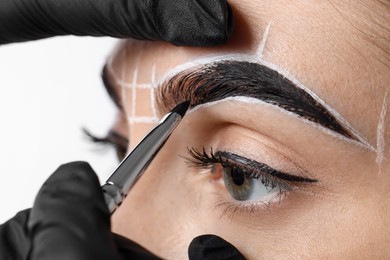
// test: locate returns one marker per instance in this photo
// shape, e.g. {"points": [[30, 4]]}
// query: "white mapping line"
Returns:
{"points": [[124, 97], [125, 84], [110, 61], [123, 59], [124, 69], [261, 47], [209, 60], [380, 139], [133, 86], [134, 92], [133, 119], [142, 119], [152, 86], [122, 75]]}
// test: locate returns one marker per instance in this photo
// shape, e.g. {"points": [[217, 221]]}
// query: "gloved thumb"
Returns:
{"points": [[213, 247], [69, 219]]}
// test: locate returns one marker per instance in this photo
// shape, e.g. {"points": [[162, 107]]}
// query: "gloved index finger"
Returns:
{"points": [[181, 22], [69, 219]]}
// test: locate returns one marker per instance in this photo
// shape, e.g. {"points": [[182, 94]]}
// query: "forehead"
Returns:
{"points": [[320, 33], [317, 42]]}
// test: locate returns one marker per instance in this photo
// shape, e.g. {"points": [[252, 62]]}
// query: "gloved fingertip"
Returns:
{"points": [[207, 22], [213, 247], [69, 214], [75, 178], [78, 169], [130, 250], [221, 34], [72, 191]]}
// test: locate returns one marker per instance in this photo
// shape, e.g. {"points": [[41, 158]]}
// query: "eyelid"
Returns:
{"points": [[260, 140]]}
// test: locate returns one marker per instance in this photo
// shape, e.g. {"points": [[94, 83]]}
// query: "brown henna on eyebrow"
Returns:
{"points": [[224, 79]]}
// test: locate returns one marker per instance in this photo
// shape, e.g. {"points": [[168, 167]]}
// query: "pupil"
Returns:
{"points": [[238, 178]]}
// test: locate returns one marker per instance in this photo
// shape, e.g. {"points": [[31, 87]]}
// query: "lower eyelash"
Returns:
{"points": [[230, 208]]}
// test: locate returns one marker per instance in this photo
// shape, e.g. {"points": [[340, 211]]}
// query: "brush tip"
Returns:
{"points": [[181, 108]]}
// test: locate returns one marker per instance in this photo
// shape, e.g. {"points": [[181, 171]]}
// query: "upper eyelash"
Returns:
{"points": [[112, 138], [204, 160], [201, 159], [255, 170]]}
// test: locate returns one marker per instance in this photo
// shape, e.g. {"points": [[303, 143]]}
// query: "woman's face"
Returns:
{"points": [[284, 152]]}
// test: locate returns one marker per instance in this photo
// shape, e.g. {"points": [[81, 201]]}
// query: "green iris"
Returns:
{"points": [[239, 186], [243, 185]]}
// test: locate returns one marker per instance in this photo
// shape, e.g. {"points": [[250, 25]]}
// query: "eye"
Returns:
{"points": [[242, 188], [245, 179]]}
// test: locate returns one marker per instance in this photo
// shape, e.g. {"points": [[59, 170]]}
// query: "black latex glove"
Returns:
{"points": [[181, 22], [213, 247], [70, 220]]}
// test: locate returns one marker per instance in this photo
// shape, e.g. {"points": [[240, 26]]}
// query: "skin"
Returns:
{"points": [[339, 50]]}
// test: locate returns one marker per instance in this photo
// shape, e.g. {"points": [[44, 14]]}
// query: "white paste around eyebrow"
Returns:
{"points": [[257, 102], [380, 139], [208, 60]]}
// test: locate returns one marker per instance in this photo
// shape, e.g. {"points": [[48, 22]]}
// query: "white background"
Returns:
{"points": [[49, 90]]}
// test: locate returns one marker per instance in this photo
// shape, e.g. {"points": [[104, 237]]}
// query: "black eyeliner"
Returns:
{"points": [[262, 167], [204, 160]]}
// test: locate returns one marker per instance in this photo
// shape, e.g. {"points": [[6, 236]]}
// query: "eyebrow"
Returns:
{"points": [[223, 79], [110, 88]]}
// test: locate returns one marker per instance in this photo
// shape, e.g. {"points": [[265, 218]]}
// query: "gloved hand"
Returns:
{"points": [[213, 247], [69, 220], [180, 22]]}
